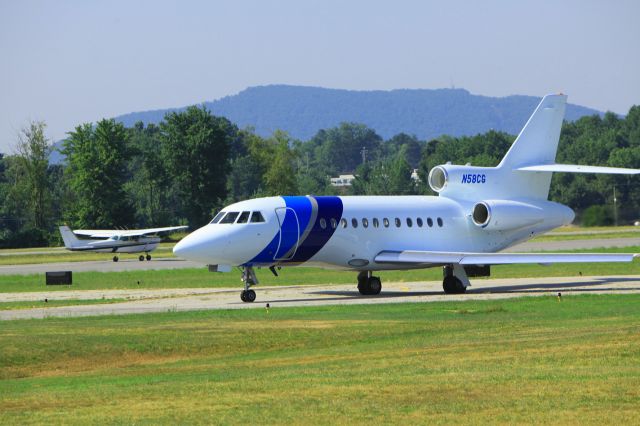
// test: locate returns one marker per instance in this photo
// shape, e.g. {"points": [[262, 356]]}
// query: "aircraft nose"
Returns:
{"points": [[202, 246]]}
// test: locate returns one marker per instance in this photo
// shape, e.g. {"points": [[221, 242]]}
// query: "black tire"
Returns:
{"points": [[250, 296], [141, 258], [453, 285], [375, 285], [363, 287], [148, 257], [115, 258], [242, 296]]}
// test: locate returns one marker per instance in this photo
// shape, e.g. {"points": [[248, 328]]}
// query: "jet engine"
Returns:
{"points": [[504, 215]]}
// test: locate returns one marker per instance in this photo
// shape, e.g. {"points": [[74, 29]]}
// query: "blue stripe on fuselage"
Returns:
{"points": [[329, 207], [278, 247]]}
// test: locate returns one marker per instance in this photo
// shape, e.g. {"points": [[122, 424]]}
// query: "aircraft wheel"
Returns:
{"points": [[453, 285], [368, 286], [248, 296], [148, 257], [375, 285], [141, 258], [115, 258]]}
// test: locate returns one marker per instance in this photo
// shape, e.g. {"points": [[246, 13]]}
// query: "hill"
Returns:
{"points": [[302, 111]]}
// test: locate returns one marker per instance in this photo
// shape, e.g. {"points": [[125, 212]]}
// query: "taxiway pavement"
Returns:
{"points": [[146, 301]]}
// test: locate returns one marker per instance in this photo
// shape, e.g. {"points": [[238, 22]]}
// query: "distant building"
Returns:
{"points": [[342, 180]]}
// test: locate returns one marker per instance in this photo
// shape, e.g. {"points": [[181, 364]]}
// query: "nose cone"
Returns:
{"points": [[207, 245], [182, 248]]}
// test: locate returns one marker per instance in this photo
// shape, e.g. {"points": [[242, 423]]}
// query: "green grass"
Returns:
{"points": [[198, 278], [528, 360], [55, 303]]}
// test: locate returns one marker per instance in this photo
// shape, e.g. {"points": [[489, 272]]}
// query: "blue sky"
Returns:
{"points": [[68, 62]]}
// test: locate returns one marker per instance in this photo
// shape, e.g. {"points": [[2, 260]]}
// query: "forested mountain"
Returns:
{"points": [[302, 111]]}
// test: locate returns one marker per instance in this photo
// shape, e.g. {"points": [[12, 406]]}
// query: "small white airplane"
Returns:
{"points": [[115, 241], [478, 212]]}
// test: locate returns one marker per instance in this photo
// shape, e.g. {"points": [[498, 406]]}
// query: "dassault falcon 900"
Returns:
{"points": [[479, 211]]}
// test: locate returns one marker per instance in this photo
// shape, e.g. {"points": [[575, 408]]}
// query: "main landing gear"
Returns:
{"points": [[249, 278], [368, 285], [141, 257], [455, 279], [115, 258]]}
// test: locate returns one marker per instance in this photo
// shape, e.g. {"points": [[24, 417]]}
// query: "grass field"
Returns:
{"points": [[195, 278], [528, 360], [55, 303]]}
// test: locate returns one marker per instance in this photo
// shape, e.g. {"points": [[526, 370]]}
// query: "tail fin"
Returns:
{"points": [[69, 238], [536, 144]]}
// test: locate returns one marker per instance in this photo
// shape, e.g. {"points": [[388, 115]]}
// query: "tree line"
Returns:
{"points": [[194, 163]]}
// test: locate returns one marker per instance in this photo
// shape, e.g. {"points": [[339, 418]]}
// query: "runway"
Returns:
{"points": [[174, 263], [177, 300]]}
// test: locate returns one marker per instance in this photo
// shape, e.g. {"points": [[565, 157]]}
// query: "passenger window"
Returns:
{"points": [[257, 217], [343, 222], [244, 217], [334, 224], [419, 222], [323, 223], [440, 222], [365, 222], [230, 217], [375, 222], [398, 223], [385, 221], [217, 218], [354, 222], [429, 222], [409, 222]]}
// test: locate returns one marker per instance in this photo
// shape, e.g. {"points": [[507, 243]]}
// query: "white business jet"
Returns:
{"points": [[478, 212], [115, 241]]}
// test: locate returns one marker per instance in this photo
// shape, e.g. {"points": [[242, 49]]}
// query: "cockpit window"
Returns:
{"points": [[217, 217], [230, 217], [257, 217], [244, 217]]}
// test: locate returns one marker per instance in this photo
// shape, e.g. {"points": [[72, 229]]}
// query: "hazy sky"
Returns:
{"points": [[68, 62]]}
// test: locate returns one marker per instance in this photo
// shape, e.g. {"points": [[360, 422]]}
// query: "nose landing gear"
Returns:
{"points": [[368, 284], [249, 278]]}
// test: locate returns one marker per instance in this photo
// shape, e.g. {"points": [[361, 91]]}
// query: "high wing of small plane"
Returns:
{"points": [[108, 233], [478, 213], [115, 241]]}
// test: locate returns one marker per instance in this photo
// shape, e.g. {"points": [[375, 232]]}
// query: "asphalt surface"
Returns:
{"points": [[174, 300]]}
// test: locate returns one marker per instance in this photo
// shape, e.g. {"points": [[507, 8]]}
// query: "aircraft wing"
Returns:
{"points": [[108, 233], [439, 258]]}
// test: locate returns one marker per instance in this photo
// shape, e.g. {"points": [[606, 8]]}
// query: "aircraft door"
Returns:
{"points": [[289, 233]]}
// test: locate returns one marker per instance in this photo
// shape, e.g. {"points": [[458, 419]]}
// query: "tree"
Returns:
{"points": [[280, 177], [149, 186], [33, 156], [339, 150], [195, 148], [97, 170]]}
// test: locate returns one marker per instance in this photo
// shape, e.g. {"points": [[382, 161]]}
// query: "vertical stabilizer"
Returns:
{"points": [[69, 238], [537, 142]]}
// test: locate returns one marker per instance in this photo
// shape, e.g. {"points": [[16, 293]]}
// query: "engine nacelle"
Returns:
{"points": [[503, 215], [466, 182]]}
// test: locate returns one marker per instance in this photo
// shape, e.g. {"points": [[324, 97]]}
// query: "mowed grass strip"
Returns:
{"points": [[201, 278], [511, 361], [34, 304]]}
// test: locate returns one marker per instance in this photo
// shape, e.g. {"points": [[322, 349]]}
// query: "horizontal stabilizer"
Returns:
{"points": [[575, 168], [437, 257]]}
